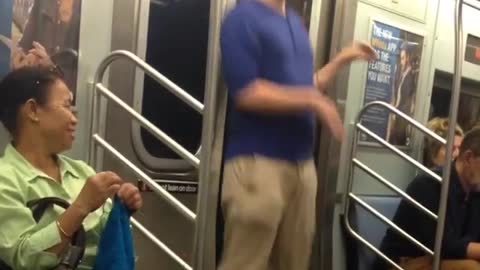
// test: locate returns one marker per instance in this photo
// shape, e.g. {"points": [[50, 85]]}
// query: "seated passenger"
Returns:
{"points": [[435, 152], [35, 107], [461, 240]]}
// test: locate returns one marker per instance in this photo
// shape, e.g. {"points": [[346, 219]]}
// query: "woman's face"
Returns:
{"points": [[439, 159], [56, 119]]}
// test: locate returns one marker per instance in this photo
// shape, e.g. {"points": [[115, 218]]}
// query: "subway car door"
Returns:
{"points": [[171, 36]]}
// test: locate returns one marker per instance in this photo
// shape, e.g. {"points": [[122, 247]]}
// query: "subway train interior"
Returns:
{"points": [[152, 106]]}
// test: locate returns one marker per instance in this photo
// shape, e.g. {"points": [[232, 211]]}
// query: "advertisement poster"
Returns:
{"points": [[5, 35], [392, 78], [41, 32]]}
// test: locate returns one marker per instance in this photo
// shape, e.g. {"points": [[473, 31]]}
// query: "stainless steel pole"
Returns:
{"points": [[457, 81]]}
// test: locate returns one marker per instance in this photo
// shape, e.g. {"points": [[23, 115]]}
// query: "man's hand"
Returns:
{"points": [[358, 51], [327, 113]]}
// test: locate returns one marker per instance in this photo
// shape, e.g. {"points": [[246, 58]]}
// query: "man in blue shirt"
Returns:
{"points": [[269, 187]]}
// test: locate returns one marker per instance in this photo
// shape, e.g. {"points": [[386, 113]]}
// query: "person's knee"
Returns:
{"points": [[469, 265]]}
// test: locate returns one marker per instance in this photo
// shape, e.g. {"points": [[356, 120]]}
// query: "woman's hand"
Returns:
{"points": [[130, 196], [97, 190]]}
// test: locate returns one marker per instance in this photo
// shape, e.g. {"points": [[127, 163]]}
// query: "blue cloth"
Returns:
{"points": [[259, 43], [115, 251]]}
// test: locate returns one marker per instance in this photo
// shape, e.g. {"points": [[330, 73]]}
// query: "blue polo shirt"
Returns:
{"points": [[258, 42]]}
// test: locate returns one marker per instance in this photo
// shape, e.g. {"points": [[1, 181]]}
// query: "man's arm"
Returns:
{"points": [[241, 56], [269, 98], [262, 96], [355, 52]]}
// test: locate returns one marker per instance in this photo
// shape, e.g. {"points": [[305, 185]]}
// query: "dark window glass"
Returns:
{"points": [[177, 47]]}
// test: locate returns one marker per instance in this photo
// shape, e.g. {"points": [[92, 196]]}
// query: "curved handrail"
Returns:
{"points": [[152, 72], [446, 169], [358, 127], [403, 115], [154, 130], [97, 126]]}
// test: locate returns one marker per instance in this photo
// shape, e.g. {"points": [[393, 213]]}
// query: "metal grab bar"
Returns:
{"points": [[399, 153], [358, 127], [152, 72], [374, 249], [160, 244], [159, 134], [391, 224], [402, 115], [98, 144], [454, 101], [384, 181], [97, 123], [148, 180]]}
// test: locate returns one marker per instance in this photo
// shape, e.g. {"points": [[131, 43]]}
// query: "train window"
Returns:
{"points": [[469, 112], [177, 44]]}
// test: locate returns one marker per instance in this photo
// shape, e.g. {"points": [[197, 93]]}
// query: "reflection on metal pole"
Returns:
{"points": [[457, 80]]}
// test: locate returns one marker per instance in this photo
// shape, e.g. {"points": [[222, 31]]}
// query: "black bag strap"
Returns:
{"points": [[74, 254]]}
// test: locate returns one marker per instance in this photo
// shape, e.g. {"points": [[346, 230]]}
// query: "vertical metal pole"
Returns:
{"points": [[94, 126], [204, 248], [97, 115], [457, 80], [351, 165]]}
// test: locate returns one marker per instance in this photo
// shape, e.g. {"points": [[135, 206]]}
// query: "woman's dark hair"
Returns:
{"points": [[21, 85]]}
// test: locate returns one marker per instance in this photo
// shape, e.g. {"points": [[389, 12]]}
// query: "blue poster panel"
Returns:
{"points": [[5, 35], [392, 78]]}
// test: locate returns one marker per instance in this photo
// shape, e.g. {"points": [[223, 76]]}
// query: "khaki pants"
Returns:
{"points": [[426, 263], [269, 208]]}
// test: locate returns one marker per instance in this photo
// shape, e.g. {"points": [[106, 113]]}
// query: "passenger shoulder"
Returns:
{"points": [[424, 182], [9, 177], [245, 13]]}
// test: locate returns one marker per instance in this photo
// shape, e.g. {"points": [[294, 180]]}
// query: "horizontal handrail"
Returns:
{"points": [[98, 144], [390, 223], [403, 115], [399, 153], [387, 183], [148, 180], [372, 247], [159, 134], [152, 72], [160, 244], [358, 127]]}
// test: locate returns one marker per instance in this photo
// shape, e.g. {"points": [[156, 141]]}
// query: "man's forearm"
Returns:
{"points": [[266, 97], [325, 75]]}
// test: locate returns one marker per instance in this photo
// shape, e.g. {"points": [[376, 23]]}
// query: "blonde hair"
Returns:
{"points": [[432, 146]]}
